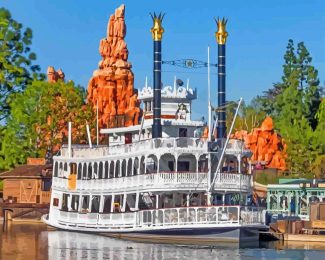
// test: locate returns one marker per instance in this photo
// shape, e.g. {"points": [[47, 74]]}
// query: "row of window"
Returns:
{"points": [[113, 169]]}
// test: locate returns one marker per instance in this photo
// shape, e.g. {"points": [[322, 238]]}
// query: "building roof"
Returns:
{"points": [[28, 171]]}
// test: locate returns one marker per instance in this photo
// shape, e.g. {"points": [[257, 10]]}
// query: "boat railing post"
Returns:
{"points": [[178, 220], [163, 220]]}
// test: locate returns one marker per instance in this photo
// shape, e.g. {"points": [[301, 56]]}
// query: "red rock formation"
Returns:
{"points": [[53, 75], [265, 144], [112, 85]]}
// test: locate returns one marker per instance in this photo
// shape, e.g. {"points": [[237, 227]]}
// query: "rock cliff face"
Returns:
{"points": [[112, 85], [265, 144], [53, 75]]}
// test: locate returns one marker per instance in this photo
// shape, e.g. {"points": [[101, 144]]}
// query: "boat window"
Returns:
{"points": [[65, 202], [100, 171], [135, 166], [182, 132], [111, 170], [85, 204], [107, 204], [90, 171], [56, 169], [171, 166], [84, 171], [128, 138], [65, 169], [95, 170], [61, 170], [167, 163], [123, 168], [79, 171], [183, 166], [117, 169], [95, 204], [74, 202], [151, 164], [129, 171], [203, 163], [55, 202], [130, 202], [142, 165], [118, 201], [106, 170], [73, 168]]}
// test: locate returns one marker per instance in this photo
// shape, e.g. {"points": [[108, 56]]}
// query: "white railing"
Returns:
{"points": [[170, 217], [161, 180], [83, 151], [233, 181], [59, 182], [152, 180]]}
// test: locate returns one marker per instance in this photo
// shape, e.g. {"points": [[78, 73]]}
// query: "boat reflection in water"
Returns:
{"points": [[21, 241], [71, 245]]}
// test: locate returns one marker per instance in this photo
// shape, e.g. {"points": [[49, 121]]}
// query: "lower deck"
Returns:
{"points": [[158, 219]]}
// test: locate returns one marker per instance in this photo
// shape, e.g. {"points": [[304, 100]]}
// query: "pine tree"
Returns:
{"points": [[297, 67]]}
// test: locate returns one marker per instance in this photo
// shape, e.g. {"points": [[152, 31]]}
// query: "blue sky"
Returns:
{"points": [[66, 34]]}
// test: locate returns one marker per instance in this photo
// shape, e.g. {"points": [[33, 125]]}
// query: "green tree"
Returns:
{"points": [[297, 68], [296, 130], [319, 142], [294, 104], [38, 121], [249, 116], [16, 68]]}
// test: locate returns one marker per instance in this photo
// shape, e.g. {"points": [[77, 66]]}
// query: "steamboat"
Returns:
{"points": [[166, 179]]}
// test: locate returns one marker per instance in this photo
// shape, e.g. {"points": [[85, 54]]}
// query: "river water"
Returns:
{"points": [[36, 241]]}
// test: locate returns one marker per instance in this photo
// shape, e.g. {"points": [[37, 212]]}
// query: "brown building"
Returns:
{"points": [[30, 183]]}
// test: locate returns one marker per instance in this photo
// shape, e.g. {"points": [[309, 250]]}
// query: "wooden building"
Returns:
{"points": [[30, 183], [294, 196]]}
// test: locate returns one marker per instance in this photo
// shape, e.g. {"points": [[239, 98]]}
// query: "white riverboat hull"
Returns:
{"points": [[204, 234]]}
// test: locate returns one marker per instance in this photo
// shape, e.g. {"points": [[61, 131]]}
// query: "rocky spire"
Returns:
{"points": [[112, 84]]}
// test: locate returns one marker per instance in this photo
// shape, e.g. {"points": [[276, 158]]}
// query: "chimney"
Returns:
{"points": [[157, 32], [221, 36]]}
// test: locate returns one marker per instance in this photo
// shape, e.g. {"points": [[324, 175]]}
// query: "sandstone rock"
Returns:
{"points": [[53, 75], [112, 85], [266, 144]]}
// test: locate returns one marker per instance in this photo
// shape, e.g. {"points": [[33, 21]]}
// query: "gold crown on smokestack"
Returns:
{"points": [[157, 30], [221, 34]]}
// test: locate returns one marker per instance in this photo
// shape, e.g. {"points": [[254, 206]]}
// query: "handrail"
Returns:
{"points": [[177, 217], [176, 142]]}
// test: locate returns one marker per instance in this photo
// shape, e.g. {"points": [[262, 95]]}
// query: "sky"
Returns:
{"points": [[66, 34]]}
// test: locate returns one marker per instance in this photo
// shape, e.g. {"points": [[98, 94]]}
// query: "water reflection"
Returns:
{"points": [[68, 245], [36, 241], [23, 241]]}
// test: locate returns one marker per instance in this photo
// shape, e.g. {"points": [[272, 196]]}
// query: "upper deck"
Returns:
{"points": [[184, 144], [147, 165]]}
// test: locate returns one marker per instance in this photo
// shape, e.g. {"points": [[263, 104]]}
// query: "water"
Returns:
{"points": [[35, 241]]}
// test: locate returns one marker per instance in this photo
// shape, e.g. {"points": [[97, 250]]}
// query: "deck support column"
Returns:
{"points": [[137, 201], [239, 163], [124, 202], [297, 203], [157, 201], [101, 203]]}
